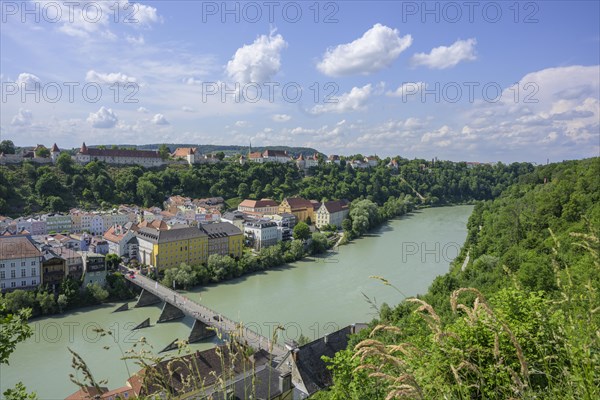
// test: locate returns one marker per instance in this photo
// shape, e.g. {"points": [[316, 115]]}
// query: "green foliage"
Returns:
{"points": [[42, 152], [45, 301], [19, 300], [97, 292], [19, 392], [7, 147], [13, 329], [319, 243], [164, 152], [301, 231], [526, 324], [182, 276], [96, 182], [113, 261]]}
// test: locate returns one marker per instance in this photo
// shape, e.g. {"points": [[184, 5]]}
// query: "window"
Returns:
{"points": [[22, 263], [33, 282], [13, 284], [33, 263], [23, 283], [23, 274], [33, 272], [12, 265], [2, 275], [13, 274], [2, 286], [2, 265]]}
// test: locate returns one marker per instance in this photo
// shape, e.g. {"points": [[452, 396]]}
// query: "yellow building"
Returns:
{"points": [[169, 248], [191, 245], [301, 208], [225, 239]]}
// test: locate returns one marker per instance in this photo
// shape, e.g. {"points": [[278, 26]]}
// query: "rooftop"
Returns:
{"points": [[13, 247]]}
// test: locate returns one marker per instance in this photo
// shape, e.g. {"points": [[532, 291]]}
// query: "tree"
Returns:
{"points": [[319, 243], [56, 204], [18, 300], [62, 302], [65, 163], [301, 231], [42, 152], [222, 267], [243, 190], [164, 152], [147, 191], [13, 329], [183, 276], [7, 147], [113, 261], [46, 302], [97, 292], [220, 155]]}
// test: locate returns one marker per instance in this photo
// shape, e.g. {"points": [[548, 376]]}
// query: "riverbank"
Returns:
{"points": [[309, 297]]}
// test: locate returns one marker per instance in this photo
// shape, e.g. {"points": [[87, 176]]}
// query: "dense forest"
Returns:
{"points": [[518, 318], [29, 188]]}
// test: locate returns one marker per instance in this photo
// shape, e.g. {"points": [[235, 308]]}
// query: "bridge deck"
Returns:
{"points": [[208, 316]]}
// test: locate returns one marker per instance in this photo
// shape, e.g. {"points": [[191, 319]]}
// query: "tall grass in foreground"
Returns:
{"points": [[182, 376], [517, 345]]}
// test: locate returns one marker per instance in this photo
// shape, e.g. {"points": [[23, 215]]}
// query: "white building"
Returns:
{"points": [[262, 233], [332, 212], [144, 158], [20, 263], [278, 156], [58, 222], [94, 268]]}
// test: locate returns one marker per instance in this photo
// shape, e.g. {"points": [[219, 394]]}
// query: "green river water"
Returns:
{"points": [[312, 297]]}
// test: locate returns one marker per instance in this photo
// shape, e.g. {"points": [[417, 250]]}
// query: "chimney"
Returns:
{"points": [[285, 382], [352, 329], [325, 339], [295, 355]]}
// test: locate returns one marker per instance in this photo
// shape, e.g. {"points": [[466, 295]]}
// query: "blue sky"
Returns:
{"points": [[474, 81]]}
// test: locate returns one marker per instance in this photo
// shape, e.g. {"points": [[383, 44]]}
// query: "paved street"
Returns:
{"points": [[208, 316]]}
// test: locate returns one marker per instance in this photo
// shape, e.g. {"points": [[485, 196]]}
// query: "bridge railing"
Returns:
{"points": [[155, 288]]}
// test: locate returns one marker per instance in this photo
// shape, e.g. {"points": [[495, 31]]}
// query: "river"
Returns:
{"points": [[312, 297]]}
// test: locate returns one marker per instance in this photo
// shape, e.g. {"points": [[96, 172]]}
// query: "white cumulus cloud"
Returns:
{"points": [[28, 81], [257, 62], [109, 78], [143, 110], [351, 101], [105, 118], [375, 50], [159, 119], [23, 118], [443, 57]]}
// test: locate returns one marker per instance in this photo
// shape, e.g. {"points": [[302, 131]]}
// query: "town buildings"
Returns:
{"points": [[302, 209], [224, 239], [304, 163], [278, 156], [262, 233], [145, 158], [169, 248], [94, 268], [20, 262], [53, 268], [332, 213], [259, 207], [121, 240]]}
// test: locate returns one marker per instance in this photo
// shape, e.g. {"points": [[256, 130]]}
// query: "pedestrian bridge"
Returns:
{"points": [[206, 321]]}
